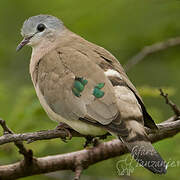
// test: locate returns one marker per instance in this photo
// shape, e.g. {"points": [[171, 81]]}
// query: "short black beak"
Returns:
{"points": [[23, 43]]}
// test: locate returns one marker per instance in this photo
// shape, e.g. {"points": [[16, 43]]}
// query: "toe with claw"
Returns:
{"points": [[66, 128]]}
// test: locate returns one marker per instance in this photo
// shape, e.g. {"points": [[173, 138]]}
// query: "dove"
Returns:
{"points": [[84, 86]]}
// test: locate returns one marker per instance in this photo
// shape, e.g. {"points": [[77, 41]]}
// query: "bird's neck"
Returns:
{"points": [[43, 48], [63, 39]]}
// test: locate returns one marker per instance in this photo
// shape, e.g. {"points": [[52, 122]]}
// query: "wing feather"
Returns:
{"points": [[70, 64]]}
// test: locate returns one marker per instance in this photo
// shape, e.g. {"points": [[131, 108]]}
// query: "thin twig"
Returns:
{"points": [[78, 172], [173, 106], [147, 50], [40, 135], [6, 130], [27, 153]]}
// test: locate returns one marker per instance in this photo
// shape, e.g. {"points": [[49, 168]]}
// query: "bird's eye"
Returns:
{"points": [[41, 27]]}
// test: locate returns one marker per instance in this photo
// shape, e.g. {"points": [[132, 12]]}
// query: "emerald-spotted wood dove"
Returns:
{"points": [[84, 86]]}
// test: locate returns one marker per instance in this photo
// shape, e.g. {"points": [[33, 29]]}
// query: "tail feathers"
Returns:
{"points": [[145, 154]]}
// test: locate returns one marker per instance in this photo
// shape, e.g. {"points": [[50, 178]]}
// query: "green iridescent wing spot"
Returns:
{"points": [[83, 81], [79, 85], [76, 92], [100, 85], [98, 93]]}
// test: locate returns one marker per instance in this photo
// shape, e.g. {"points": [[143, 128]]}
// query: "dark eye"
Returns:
{"points": [[41, 27]]}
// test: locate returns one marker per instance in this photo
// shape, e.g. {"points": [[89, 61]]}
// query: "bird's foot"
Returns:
{"points": [[95, 141], [66, 128], [91, 140], [104, 136]]}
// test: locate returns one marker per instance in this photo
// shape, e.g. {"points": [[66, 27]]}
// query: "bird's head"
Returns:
{"points": [[40, 27]]}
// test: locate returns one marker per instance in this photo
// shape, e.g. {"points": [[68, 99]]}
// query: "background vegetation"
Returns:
{"points": [[123, 27]]}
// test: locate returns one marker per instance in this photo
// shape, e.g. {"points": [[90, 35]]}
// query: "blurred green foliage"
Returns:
{"points": [[123, 27]]}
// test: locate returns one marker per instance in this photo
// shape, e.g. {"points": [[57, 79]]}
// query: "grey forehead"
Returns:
{"points": [[31, 23]]}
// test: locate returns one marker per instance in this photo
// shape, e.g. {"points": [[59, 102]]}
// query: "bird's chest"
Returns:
{"points": [[50, 71]]}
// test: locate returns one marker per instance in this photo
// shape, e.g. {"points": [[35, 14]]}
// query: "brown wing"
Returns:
{"points": [[106, 61], [56, 81], [110, 62]]}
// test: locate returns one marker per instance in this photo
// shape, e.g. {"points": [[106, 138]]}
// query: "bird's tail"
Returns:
{"points": [[142, 150]]}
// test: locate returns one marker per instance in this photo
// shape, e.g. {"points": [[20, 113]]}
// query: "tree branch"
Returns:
{"points": [[35, 136], [173, 106], [147, 50], [83, 158], [27, 153], [54, 133]]}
